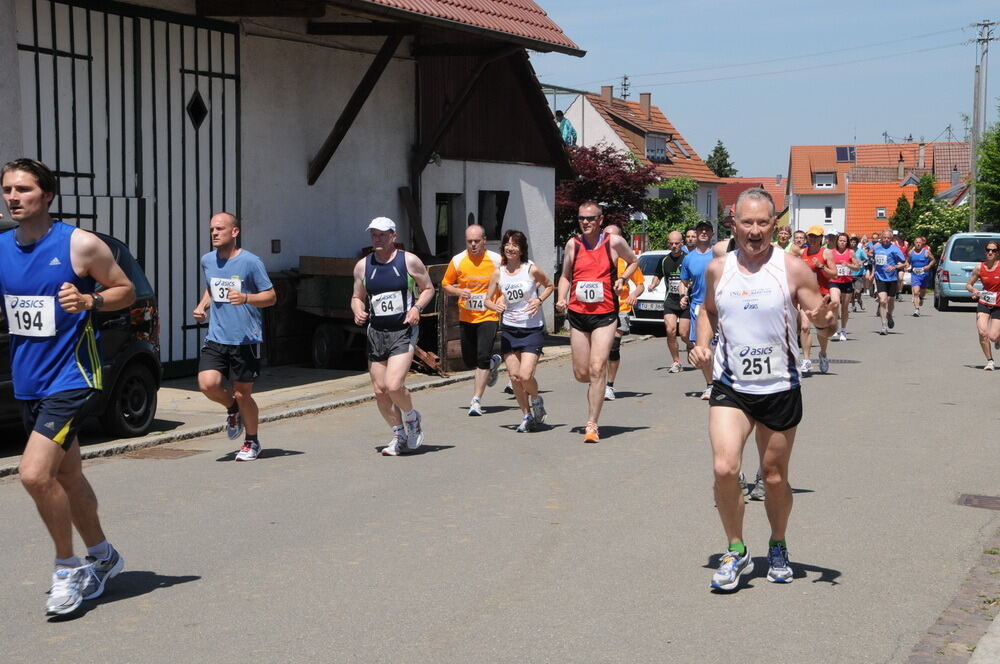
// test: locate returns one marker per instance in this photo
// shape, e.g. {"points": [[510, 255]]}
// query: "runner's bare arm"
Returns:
{"points": [[450, 279], [494, 303], [621, 249], [199, 309], [817, 307], [970, 285], [708, 317], [360, 294], [566, 276], [91, 257], [416, 268], [542, 280], [264, 298]]}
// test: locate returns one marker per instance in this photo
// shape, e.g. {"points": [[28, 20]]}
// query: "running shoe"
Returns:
{"points": [[591, 434], [989, 365], [538, 410], [509, 389], [249, 451], [779, 569], [916, 313], [491, 380], [414, 435], [731, 567], [861, 306], [758, 492], [854, 309], [234, 425], [707, 394], [609, 393], [996, 344], [884, 331], [527, 424], [475, 407], [66, 592], [396, 446], [100, 572], [806, 368], [824, 363], [675, 368], [843, 335], [744, 487], [891, 322]]}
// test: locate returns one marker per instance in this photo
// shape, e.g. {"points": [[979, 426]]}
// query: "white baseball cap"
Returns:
{"points": [[382, 224]]}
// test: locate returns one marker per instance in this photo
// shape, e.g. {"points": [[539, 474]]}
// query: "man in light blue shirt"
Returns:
{"points": [[693, 277], [889, 259]]}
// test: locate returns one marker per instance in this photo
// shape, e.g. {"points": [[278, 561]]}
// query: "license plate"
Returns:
{"points": [[651, 306]]}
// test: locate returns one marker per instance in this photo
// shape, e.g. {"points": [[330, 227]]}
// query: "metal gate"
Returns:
{"points": [[137, 110]]}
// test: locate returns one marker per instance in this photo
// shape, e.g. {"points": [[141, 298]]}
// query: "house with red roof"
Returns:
{"points": [[642, 129], [854, 188], [731, 188]]}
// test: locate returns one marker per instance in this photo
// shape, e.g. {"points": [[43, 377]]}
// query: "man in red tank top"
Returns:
{"points": [[815, 255], [588, 292]]}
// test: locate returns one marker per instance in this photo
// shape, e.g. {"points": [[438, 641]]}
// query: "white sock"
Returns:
{"points": [[410, 415], [67, 562], [100, 551], [398, 429]]}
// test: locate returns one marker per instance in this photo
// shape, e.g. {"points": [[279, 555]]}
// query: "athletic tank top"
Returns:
{"points": [[758, 348], [919, 260], [844, 275], [990, 293], [390, 291], [592, 289], [518, 289], [815, 262], [50, 350]]}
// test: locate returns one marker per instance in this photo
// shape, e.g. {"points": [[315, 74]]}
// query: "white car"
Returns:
{"points": [[648, 310]]}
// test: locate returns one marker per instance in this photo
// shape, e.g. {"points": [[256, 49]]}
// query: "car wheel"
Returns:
{"points": [[941, 302], [327, 346], [131, 404]]}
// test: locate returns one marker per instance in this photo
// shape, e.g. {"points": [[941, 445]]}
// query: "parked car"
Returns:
{"points": [[129, 340], [648, 310], [962, 252]]}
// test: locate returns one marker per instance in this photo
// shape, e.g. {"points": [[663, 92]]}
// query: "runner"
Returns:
{"points": [[236, 287], [693, 275], [841, 263], [988, 297], [626, 298], [920, 265], [588, 289], [676, 318], [861, 257], [784, 241], [49, 272], [468, 276], [690, 240], [384, 283], [799, 239], [888, 259], [899, 239], [756, 384], [522, 288], [814, 254]]}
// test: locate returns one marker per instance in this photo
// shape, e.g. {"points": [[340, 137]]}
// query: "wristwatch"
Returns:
{"points": [[98, 301]]}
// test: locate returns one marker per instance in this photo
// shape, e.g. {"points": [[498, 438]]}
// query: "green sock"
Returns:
{"points": [[738, 547], [773, 542]]}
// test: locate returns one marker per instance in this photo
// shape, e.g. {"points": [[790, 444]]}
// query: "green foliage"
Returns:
{"points": [[940, 221], [719, 161], [905, 218], [988, 181], [674, 213], [902, 217]]}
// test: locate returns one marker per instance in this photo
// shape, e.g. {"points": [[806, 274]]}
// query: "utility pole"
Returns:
{"points": [[978, 110]]}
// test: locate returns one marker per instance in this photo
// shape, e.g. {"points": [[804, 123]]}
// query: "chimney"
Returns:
{"points": [[607, 91], [777, 179], [645, 99], [899, 167], [921, 151], [954, 175]]}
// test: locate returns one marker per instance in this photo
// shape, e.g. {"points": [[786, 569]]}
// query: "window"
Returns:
{"points": [[880, 213], [656, 148], [444, 212], [708, 206], [824, 180], [680, 148], [845, 153], [492, 207], [828, 215]]}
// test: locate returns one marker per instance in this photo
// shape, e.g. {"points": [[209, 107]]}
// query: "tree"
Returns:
{"points": [[901, 218], [605, 175], [673, 213], [938, 221], [923, 200], [719, 162], [988, 180]]}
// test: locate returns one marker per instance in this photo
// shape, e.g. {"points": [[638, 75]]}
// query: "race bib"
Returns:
{"points": [[590, 291], [514, 293], [843, 270], [759, 363], [31, 315], [387, 304], [674, 286], [220, 288], [476, 302], [918, 270], [881, 259], [988, 297]]}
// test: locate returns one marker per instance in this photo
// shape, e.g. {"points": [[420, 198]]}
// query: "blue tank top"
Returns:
{"points": [[51, 351], [920, 259], [390, 291]]}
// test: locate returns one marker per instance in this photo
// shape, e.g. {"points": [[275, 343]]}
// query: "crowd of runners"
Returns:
{"points": [[745, 309]]}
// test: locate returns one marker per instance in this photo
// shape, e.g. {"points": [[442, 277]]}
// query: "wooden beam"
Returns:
{"points": [[303, 8], [377, 29], [354, 104], [420, 245]]}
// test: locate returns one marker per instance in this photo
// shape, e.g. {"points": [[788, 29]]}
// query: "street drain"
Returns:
{"points": [[161, 453], [973, 500]]}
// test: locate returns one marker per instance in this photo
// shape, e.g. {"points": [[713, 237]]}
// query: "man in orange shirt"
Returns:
{"points": [[468, 278], [626, 299]]}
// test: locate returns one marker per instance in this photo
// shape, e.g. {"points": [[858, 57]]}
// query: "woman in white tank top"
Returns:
{"points": [[516, 291]]}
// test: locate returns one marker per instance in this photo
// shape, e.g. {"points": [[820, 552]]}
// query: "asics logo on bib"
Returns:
{"points": [[755, 351], [16, 302]]}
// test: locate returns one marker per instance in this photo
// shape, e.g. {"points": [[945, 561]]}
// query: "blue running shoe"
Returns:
{"points": [[779, 570], [100, 572], [731, 567]]}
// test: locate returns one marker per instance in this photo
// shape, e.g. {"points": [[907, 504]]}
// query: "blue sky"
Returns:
{"points": [[910, 82]]}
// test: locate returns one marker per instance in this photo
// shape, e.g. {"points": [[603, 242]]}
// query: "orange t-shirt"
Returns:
{"points": [[636, 279], [475, 275]]}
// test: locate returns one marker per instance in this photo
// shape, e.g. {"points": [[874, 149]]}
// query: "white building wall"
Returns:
{"points": [[530, 208], [810, 211], [10, 87], [591, 128]]}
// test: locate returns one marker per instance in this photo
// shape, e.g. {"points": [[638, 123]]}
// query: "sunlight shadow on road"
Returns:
{"points": [[127, 585], [265, 453], [799, 571]]}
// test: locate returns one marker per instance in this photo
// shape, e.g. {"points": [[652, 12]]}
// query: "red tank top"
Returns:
{"points": [[842, 259], [592, 289], [991, 282], [815, 262]]}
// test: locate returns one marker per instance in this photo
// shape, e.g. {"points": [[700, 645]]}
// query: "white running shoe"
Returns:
{"points": [[234, 425], [916, 313], [475, 407], [66, 592], [707, 394], [884, 331], [843, 335], [806, 368], [989, 365], [527, 424], [824, 363], [538, 410], [100, 572], [609, 393], [396, 446], [509, 389], [414, 435], [675, 368], [491, 380], [249, 451]]}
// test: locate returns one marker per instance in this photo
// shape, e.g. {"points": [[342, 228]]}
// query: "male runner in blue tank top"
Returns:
{"points": [[236, 288], [49, 272], [751, 297]]}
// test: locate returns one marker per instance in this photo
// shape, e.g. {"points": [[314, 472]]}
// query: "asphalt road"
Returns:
{"points": [[493, 546]]}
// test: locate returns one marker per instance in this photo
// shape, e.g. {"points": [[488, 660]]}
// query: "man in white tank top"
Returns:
{"points": [[750, 301]]}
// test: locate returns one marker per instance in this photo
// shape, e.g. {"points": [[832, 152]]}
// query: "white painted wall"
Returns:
{"points": [[530, 208], [591, 128], [809, 210], [10, 86], [287, 117]]}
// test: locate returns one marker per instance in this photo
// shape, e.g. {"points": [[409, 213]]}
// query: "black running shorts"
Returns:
{"points": [[58, 416], [779, 411], [240, 364]]}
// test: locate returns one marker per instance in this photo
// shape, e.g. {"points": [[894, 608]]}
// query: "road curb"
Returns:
{"points": [[121, 447]]}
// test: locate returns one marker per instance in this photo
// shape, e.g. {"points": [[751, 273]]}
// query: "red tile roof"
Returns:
{"points": [[521, 18], [804, 160], [629, 121], [863, 199], [733, 187]]}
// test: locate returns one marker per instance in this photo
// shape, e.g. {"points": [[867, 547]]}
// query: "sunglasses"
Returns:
{"points": [[992, 251], [587, 217]]}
